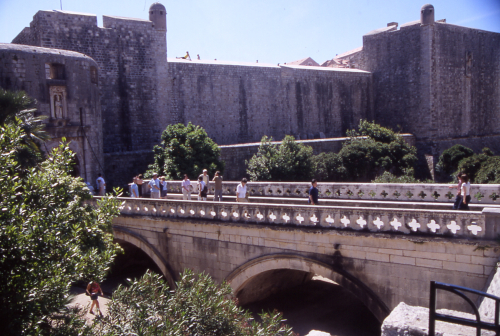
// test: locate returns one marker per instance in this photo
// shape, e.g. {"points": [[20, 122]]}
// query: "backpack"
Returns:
{"points": [[204, 192]]}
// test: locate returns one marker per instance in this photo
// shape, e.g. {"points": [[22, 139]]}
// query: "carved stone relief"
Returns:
{"points": [[58, 104]]}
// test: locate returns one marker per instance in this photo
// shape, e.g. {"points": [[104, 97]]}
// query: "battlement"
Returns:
{"points": [[118, 21], [75, 17]]}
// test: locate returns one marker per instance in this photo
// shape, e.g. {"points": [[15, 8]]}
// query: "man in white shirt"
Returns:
{"points": [[186, 188], [241, 191], [154, 186], [101, 185]]}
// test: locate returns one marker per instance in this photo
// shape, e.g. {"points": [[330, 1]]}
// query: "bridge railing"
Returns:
{"points": [[447, 223], [419, 192]]}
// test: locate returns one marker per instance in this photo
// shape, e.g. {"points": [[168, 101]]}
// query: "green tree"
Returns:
{"points": [[480, 167], [185, 150], [198, 306], [15, 106], [449, 160], [370, 151], [288, 161], [49, 237], [328, 167]]}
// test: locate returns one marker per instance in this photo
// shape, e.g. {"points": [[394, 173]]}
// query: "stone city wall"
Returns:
{"points": [[132, 76], [238, 103], [437, 81], [68, 98]]}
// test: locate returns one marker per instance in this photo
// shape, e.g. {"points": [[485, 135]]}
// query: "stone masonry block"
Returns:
{"points": [[402, 260], [470, 268], [429, 263]]}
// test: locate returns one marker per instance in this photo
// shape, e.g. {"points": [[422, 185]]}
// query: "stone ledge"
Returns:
{"points": [[409, 320]]}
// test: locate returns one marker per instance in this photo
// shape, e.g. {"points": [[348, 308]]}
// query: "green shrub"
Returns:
{"points": [[185, 150], [288, 161], [198, 306]]}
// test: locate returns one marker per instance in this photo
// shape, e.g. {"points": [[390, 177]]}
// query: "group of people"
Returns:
{"points": [[462, 200], [203, 181]]}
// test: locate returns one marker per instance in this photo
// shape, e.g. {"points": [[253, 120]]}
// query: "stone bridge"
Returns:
{"points": [[383, 255]]}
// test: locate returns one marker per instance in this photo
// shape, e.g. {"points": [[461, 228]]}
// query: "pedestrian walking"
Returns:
{"points": [[163, 188], [313, 193], [458, 198], [154, 186], [218, 187], [465, 193], [93, 290], [241, 191], [139, 181], [202, 189], [186, 188], [101, 185], [134, 189]]}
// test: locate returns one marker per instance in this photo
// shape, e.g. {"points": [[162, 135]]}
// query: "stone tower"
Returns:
{"points": [[426, 14], [158, 14]]}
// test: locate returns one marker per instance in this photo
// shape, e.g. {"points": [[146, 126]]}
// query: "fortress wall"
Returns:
{"points": [[26, 68], [132, 75], [401, 81], [241, 103], [467, 81]]}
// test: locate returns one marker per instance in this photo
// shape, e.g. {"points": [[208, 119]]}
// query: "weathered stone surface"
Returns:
{"points": [[407, 320], [435, 80], [69, 98]]}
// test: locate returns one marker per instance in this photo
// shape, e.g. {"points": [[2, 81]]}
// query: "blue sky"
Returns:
{"points": [[271, 31]]}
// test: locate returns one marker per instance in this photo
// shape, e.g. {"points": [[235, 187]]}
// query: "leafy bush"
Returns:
{"points": [[198, 306], [481, 168], [388, 177], [370, 151], [450, 158], [288, 161], [49, 237], [185, 150], [328, 167]]}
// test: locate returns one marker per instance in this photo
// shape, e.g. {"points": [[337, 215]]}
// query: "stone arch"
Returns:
{"points": [[242, 275], [142, 244]]}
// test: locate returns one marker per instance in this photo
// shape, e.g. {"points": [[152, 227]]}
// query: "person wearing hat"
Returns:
{"points": [[154, 186]]}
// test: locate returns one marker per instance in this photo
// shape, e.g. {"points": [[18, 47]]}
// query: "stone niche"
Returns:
{"points": [[58, 105]]}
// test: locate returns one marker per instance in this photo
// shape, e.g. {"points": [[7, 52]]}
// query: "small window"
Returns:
{"points": [[57, 71], [93, 75]]}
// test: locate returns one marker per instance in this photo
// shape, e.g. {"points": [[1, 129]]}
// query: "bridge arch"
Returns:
{"points": [[242, 275], [123, 234]]}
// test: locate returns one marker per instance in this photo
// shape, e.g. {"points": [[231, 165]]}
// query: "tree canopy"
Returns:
{"points": [[288, 161], [185, 150], [49, 237], [198, 306]]}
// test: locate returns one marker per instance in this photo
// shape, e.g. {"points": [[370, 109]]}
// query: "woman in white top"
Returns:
{"points": [[241, 191], [465, 192]]}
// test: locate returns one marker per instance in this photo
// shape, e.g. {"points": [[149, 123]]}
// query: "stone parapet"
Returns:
{"points": [[447, 223], [409, 192]]}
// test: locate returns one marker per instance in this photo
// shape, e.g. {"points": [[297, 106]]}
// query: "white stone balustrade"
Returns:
{"points": [[444, 223], [480, 193]]}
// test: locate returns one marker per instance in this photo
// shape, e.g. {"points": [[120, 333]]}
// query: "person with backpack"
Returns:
{"points": [[202, 189]]}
